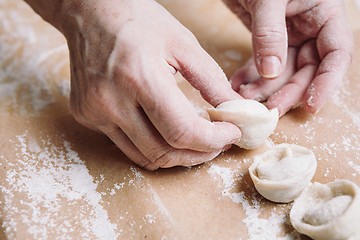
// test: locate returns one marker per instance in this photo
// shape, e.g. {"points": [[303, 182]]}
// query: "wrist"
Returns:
{"points": [[67, 15], [94, 14]]}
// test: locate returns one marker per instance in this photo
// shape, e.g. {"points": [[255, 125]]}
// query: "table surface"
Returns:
{"points": [[59, 179]]}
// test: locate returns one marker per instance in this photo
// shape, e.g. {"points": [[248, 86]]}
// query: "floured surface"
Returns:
{"points": [[59, 179]]}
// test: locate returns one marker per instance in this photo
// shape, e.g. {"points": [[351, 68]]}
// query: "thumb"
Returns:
{"points": [[269, 37]]}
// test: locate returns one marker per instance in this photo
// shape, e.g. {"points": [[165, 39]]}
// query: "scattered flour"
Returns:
{"points": [[26, 75], [354, 166], [258, 227], [49, 181], [327, 171], [50, 178], [352, 140], [150, 218]]}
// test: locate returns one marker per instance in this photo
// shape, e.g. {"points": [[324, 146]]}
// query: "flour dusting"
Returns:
{"points": [[258, 227], [26, 75], [49, 179]]}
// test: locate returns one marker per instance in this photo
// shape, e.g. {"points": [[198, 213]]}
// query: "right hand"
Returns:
{"points": [[302, 50], [123, 56]]}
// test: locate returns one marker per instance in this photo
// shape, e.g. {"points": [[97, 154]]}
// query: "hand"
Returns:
{"points": [[123, 57], [319, 43]]}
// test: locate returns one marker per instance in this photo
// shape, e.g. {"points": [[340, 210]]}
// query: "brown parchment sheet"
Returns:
{"points": [[59, 180]]}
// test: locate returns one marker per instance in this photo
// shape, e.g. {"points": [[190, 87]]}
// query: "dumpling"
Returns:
{"points": [[328, 211], [281, 173], [255, 121]]}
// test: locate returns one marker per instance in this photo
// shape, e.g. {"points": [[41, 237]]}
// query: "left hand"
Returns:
{"points": [[302, 50]]}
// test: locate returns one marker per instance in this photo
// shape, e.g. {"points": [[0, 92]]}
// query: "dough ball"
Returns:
{"points": [[255, 121], [328, 211], [283, 172]]}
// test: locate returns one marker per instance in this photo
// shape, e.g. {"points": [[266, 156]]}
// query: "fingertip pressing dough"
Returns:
{"points": [[283, 172], [255, 121], [328, 211]]}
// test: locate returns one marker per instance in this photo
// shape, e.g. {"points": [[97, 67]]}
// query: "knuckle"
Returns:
{"points": [[83, 115], [85, 106], [267, 36], [77, 108], [150, 166], [78, 117], [180, 137], [96, 96], [164, 160]]}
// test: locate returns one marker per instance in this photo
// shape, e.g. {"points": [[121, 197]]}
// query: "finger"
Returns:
{"points": [[245, 75], [263, 88], [78, 113], [335, 46], [85, 122], [123, 142], [183, 157], [328, 78], [177, 121], [291, 95], [142, 144], [201, 70], [269, 36], [308, 54]]}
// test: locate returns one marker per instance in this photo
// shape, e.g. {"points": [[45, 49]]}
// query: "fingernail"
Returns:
{"points": [[270, 67]]}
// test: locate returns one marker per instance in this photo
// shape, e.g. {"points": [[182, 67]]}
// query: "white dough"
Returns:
{"points": [[255, 121], [283, 172], [328, 211]]}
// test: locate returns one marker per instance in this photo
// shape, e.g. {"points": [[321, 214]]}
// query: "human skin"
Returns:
{"points": [[302, 50], [123, 56]]}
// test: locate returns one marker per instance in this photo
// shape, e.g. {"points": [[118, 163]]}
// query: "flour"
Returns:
{"points": [[26, 76], [327, 171], [354, 166], [43, 180], [49, 181], [352, 141], [150, 218], [258, 227]]}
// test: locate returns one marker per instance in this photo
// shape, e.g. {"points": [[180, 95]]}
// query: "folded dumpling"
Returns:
{"points": [[281, 173], [255, 121], [328, 211]]}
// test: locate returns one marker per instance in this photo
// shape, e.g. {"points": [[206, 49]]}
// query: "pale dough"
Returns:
{"points": [[328, 211], [255, 121], [281, 173]]}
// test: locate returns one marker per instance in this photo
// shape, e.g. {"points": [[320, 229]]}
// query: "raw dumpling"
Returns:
{"points": [[328, 211], [283, 172], [255, 121]]}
